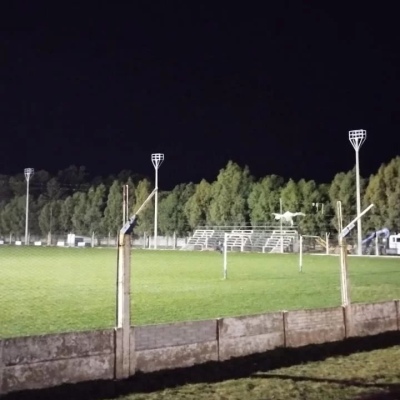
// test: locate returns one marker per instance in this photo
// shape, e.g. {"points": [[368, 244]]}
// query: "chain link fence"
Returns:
{"points": [[62, 282], [47, 289]]}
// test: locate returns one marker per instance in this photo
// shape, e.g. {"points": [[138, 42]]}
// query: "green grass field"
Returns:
{"points": [[46, 290]]}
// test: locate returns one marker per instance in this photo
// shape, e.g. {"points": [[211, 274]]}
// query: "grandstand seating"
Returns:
{"points": [[239, 240], [199, 240], [263, 240]]}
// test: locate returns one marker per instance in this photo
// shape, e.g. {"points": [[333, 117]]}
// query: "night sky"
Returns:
{"points": [[275, 86]]}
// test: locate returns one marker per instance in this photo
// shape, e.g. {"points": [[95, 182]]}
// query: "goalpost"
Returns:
{"points": [[242, 236], [301, 246]]}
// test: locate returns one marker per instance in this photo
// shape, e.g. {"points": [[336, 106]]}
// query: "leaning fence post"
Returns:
{"points": [[122, 343], [125, 356]]}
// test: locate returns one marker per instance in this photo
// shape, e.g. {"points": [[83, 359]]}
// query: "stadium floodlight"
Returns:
{"points": [[357, 138], [156, 159], [28, 172]]}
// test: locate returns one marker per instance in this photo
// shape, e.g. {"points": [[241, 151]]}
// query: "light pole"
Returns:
{"points": [[357, 138], [281, 227], [156, 159], [28, 172]]}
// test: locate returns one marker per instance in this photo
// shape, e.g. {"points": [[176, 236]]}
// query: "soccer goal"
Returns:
{"points": [[234, 240], [312, 244], [316, 244]]}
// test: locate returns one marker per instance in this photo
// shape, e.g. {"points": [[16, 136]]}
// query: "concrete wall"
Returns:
{"points": [[44, 361], [314, 326], [371, 319], [175, 345], [251, 334], [50, 360]]}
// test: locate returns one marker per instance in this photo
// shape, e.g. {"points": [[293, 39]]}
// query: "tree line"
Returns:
{"points": [[70, 202]]}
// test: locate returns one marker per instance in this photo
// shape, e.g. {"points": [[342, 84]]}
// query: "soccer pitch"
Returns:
{"points": [[47, 290]]}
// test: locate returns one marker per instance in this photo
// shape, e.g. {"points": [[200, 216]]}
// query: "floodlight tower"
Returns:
{"points": [[357, 138], [156, 159], [28, 172]]}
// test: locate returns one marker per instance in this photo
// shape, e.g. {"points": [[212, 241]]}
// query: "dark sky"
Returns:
{"points": [[275, 86]]}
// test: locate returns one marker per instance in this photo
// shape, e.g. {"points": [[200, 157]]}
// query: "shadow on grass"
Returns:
{"points": [[213, 372], [392, 389]]}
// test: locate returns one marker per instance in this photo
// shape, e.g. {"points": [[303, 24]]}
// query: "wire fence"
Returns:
{"points": [[53, 289], [67, 282]]}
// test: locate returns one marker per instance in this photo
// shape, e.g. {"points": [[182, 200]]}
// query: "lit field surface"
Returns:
{"points": [[47, 290]]}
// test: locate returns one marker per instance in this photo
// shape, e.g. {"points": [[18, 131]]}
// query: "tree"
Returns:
{"points": [[131, 195], [78, 216], [5, 190], [343, 188], [49, 206], [311, 206], [383, 191], [146, 217], [291, 197], [113, 212], [197, 206], [13, 216], [66, 214], [263, 199], [392, 183], [72, 178], [17, 185], [38, 182], [229, 194], [324, 208], [49, 218], [95, 204], [172, 217]]}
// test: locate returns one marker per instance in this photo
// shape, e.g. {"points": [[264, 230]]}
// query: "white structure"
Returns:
{"points": [[393, 247], [28, 172], [287, 217], [242, 236], [357, 138], [156, 159]]}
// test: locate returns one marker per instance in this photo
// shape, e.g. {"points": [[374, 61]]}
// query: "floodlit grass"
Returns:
{"points": [[45, 290]]}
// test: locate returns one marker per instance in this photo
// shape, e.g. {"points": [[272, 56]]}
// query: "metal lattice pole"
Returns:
{"points": [[156, 159], [357, 138]]}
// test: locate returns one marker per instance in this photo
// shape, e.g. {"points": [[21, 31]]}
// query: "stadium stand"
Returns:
{"points": [[261, 239]]}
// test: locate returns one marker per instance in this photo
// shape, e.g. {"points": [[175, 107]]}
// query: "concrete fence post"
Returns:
{"points": [[1, 367], [348, 320], [284, 327], [124, 349]]}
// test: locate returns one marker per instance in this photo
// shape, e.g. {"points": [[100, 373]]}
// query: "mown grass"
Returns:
{"points": [[46, 290]]}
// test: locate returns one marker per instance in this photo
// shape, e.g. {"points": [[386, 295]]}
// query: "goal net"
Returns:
{"points": [[235, 240], [315, 244]]}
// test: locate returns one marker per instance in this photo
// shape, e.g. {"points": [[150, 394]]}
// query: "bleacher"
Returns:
{"points": [[239, 240], [261, 239], [280, 240], [199, 240]]}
